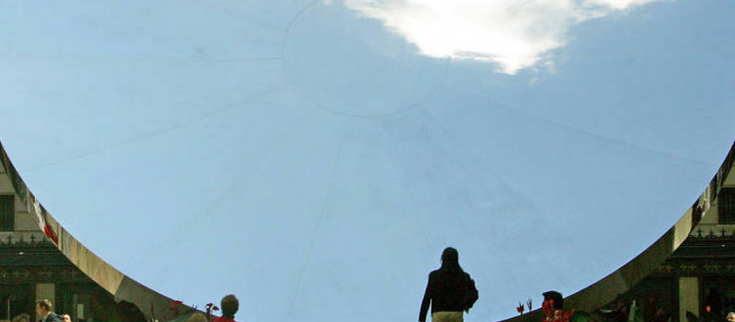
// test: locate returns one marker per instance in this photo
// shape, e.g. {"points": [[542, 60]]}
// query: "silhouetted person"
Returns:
{"points": [[449, 291], [229, 306], [43, 309]]}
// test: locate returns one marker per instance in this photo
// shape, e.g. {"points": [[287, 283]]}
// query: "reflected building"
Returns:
{"points": [[697, 281], [687, 275], [699, 277], [40, 260]]}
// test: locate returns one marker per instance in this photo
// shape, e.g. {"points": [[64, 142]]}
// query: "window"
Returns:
{"points": [[726, 206], [7, 212]]}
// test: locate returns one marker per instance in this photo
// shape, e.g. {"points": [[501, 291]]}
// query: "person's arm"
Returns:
{"points": [[426, 301]]}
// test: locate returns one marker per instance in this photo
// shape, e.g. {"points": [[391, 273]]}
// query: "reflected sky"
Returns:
{"points": [[313, 160]]}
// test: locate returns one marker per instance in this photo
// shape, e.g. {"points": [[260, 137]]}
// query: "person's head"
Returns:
{"points": [[554, 299], [229, 305], [731, 317], [65, 317], [43, 307], [450, 260]]}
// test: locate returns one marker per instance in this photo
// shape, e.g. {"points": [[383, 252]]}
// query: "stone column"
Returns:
{"points": [[688, 297]]}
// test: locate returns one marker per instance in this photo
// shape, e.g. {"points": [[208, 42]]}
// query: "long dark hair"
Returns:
{"points": [[450, 261]]}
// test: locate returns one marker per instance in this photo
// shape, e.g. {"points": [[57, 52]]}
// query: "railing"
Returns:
{"points": [[31, 238], [713, 231]]}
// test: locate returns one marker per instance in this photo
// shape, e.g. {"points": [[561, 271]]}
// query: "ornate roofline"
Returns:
{"points": [[102, 273], [646, 263]]}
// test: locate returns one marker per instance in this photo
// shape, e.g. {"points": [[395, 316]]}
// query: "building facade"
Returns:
{"points": [[697, 281], [33, 269], [39, 260], [687, 275]]}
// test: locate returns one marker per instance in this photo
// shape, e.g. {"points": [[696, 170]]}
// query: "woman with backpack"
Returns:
{"points": [[449, 292]]}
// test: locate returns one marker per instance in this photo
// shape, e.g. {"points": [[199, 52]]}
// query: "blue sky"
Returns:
{"points": [[314, 158]]}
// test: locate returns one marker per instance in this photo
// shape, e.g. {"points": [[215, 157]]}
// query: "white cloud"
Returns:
{"points": [[514, 34]]}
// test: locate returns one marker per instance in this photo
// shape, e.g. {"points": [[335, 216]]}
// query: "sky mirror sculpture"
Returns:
{"points": [[316, 157]]}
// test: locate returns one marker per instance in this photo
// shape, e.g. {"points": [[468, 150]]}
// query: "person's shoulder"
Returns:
{"points": [[468, 278], [435, 274], [222, 319]]}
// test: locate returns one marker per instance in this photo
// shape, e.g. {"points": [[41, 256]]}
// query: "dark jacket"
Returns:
{"points": [[52, 317], [445, 292]]}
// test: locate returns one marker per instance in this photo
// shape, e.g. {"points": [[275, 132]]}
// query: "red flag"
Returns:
{"points": [[50, 233]]}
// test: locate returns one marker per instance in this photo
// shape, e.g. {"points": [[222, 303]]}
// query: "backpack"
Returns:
{"points": [[470, 293]]}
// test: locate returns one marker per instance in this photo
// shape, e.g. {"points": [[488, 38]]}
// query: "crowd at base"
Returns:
{"points": [[229, 305]]}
